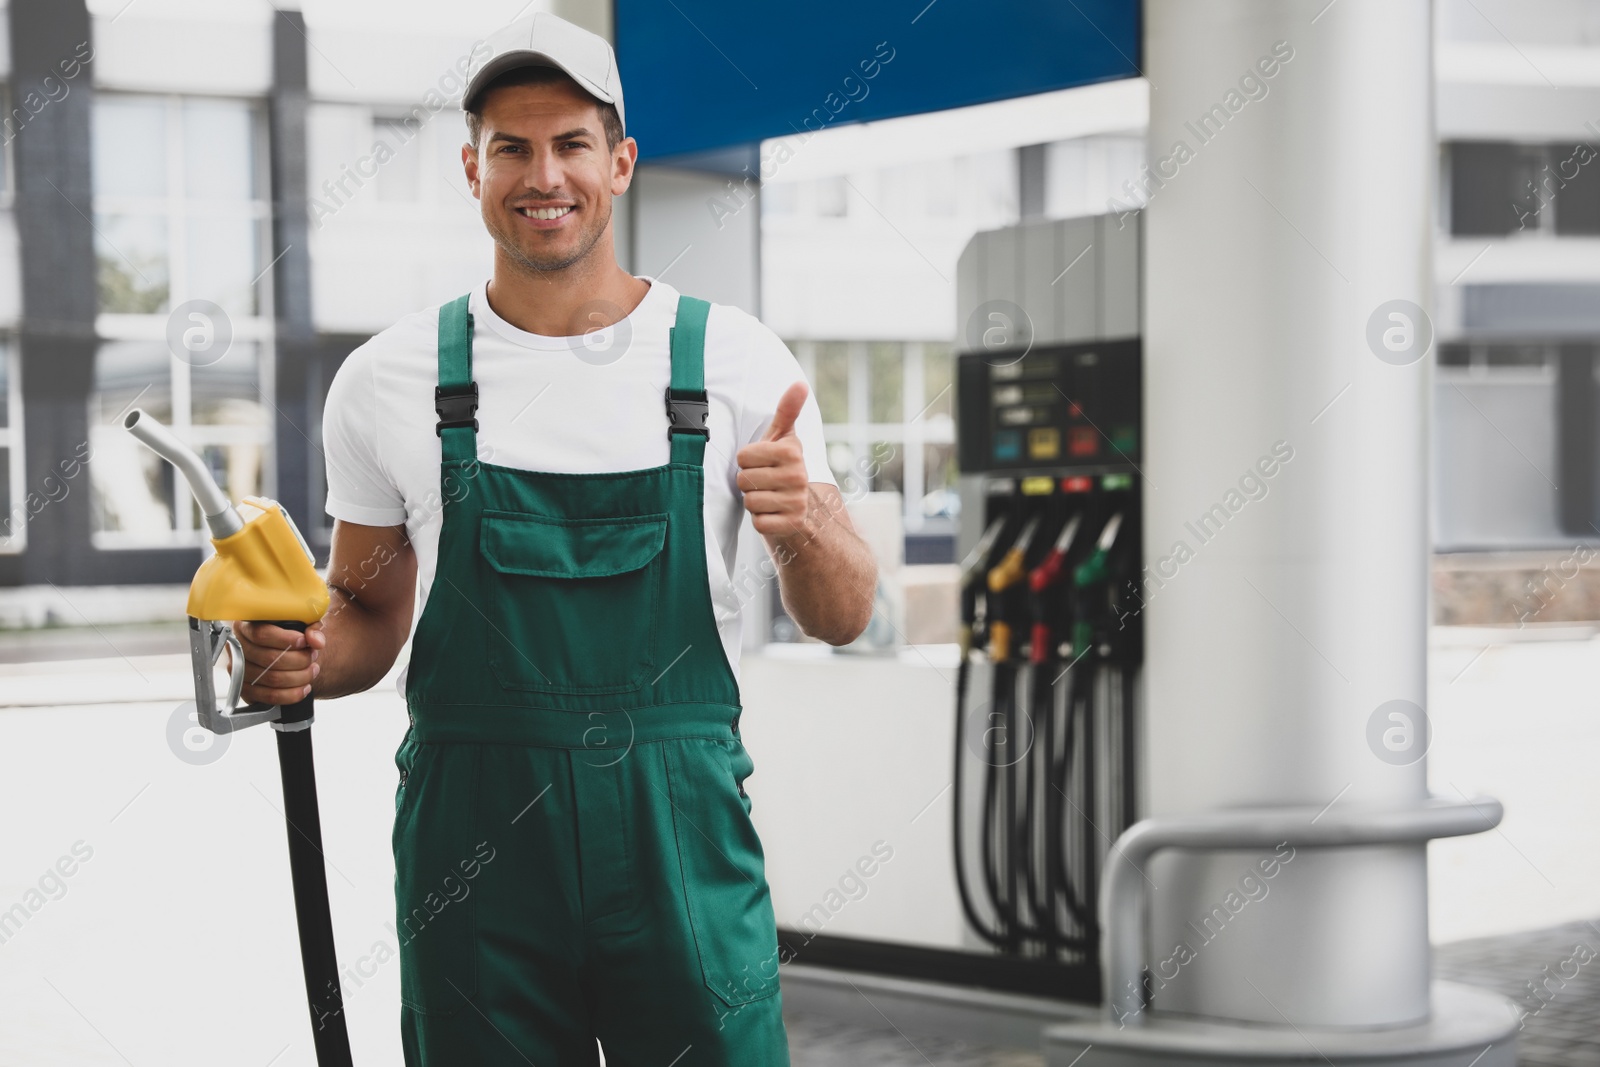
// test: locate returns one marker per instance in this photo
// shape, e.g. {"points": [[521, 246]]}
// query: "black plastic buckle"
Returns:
{"points": [[688, 414], [456, 408]]}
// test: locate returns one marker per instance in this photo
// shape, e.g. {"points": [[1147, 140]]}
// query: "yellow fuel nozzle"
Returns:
{"points": [[262, 571], [263, 568], [265, 571], [1009, 571], [1002, 577], [999, 641]]}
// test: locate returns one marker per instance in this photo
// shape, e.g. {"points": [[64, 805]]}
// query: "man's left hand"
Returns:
{"points": [[772, 475]]}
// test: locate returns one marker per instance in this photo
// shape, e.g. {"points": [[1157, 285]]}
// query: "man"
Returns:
{"points": [[565, 455]]}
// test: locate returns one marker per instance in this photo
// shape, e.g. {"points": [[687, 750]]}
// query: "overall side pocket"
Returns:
{"points": [[434, 843], [724, 876]]}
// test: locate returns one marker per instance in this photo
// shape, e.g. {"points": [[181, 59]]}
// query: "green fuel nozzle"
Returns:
{"points": [[1089, 575]]}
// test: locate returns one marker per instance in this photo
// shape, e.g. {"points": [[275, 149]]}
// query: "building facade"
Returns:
{"points": [[204, 208]]}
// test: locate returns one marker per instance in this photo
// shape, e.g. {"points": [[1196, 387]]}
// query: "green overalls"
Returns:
{"points": [[574, 857]]}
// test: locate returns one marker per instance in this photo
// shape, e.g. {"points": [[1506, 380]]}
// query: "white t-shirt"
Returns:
{"points": [[571, 404]]}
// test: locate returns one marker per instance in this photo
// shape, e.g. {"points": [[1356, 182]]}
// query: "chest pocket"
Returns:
{"points": [[573, 601]]}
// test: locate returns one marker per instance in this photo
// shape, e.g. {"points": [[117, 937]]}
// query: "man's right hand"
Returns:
{"points": [[279, 663], [372, 581]]}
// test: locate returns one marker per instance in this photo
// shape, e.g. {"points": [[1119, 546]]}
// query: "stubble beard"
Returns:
{"points": [[530, 261]]}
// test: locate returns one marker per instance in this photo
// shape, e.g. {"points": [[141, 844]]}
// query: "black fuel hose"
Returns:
{"points": [[309, 877]]}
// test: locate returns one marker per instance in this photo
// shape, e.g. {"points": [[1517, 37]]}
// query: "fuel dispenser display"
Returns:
{"points": [[1050, 614]]}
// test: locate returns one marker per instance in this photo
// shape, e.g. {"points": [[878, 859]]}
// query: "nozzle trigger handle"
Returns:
{"points": [[300, 711], [1039, 649]]}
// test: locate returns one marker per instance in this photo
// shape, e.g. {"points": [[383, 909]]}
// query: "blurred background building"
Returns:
{"points": [[1518, 272], [280, 184], [218, 153]]}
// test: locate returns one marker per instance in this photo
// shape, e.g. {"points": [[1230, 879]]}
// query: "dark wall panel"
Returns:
{"points": [[53, 206], [299, 396]]}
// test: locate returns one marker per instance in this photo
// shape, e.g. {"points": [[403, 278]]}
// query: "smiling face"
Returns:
{"points": [[544, 177]]}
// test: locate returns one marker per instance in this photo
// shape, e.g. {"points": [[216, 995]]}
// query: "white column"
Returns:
{"points": [[1278, 630]]}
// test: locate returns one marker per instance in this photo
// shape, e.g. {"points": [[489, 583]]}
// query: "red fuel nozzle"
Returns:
{"points": [[1050, 570]]}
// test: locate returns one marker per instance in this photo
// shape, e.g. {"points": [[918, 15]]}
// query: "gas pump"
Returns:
{"points": [[1049, 662], [1050, 617]]}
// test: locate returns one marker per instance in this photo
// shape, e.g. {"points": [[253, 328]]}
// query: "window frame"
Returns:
{"points": [[909, 434], [1479, 369], [1546, 221], [175, 208], [8, 172], [13, 438]]}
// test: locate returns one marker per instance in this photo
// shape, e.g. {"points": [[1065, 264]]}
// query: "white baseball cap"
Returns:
{"points": [[543, 40]]}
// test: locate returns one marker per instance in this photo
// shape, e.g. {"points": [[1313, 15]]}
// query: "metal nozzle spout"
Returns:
{"points": [[218, 510]]}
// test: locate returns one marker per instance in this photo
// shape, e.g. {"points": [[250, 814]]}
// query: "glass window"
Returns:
{"points": [[884, 466], [939, 499], [874, 466], [938, 374], [886, 416], [132, 489], [9, 128], [223, 253], [219, 150], [129, 374], [237, 468], [1499, 189], [130, 146], [130, 254], [885, 370], [1517, 355], [1577, 168], [11, 525], [228, 392], [13, 516], [832, 381], [180, 202], [135, 494], [841, 460], [1494, 188], [182, 214]]}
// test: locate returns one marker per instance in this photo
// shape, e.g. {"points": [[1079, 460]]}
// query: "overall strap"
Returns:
{"points": [[688, 410], [455, 398]]}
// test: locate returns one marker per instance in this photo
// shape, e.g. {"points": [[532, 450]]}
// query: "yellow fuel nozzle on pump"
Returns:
{"points": [[1002, 578], [262, 570]]}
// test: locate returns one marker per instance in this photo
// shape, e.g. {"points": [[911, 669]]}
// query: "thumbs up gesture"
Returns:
{"points": [[772, 474]]}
